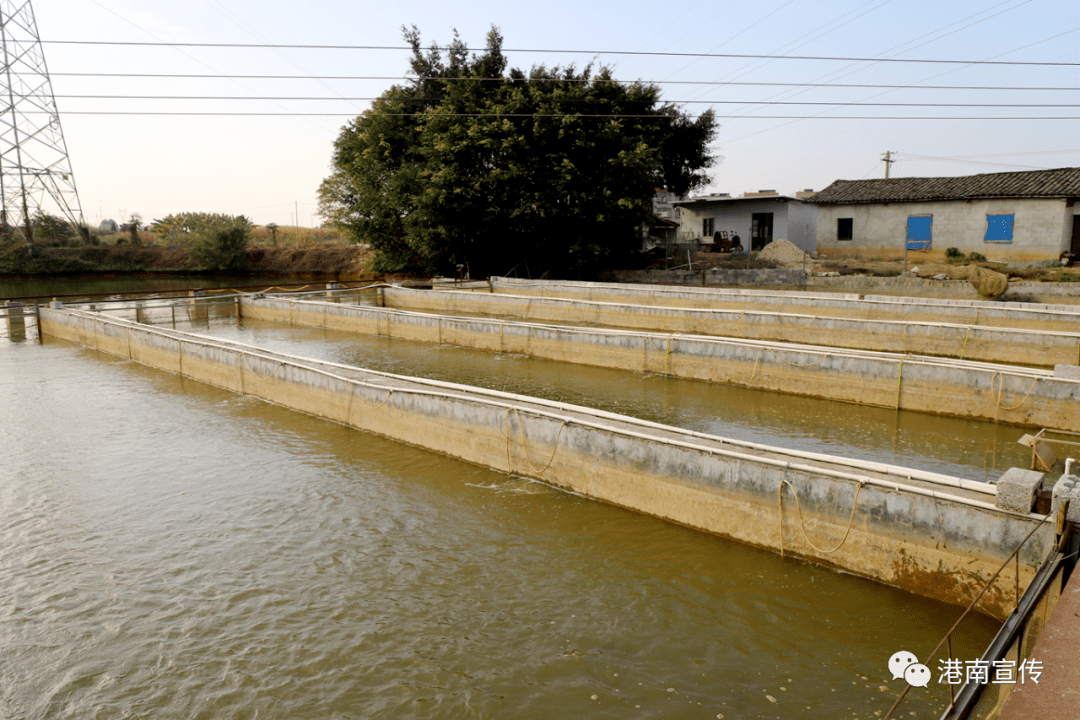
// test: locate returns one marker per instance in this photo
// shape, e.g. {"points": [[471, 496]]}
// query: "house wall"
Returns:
{"points": [[1042, 227], [735, 217], [802, 226]]}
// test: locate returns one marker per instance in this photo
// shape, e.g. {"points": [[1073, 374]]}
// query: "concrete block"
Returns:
{"points": [[1017, 488], [1067, 486], [1067, 372]]}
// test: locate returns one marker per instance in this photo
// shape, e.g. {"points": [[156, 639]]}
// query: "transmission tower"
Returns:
{"points": [[35, 171]]}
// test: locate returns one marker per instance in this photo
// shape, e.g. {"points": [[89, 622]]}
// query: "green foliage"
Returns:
{"points": [[953, 255], [224, 250], [273, 228], [975, 257], [134, 225], [216, 241], [51, 227], [556, 168]]}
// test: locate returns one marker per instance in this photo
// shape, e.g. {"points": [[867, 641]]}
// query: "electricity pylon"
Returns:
{"points": [[35, 172]]}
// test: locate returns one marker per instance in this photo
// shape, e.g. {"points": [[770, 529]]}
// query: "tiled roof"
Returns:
{"points": [[1063, 182]]}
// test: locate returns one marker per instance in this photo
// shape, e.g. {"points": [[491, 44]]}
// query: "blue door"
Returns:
{"points": [[918, 232]]}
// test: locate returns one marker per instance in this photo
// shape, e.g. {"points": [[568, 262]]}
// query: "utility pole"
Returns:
{"points": [[887, 157], [34, 161]]}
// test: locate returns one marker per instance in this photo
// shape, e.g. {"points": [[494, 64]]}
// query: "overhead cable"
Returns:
{"points": [[277, 46]]}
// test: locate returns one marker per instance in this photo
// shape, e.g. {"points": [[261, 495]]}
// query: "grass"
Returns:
{"points": [[312, 251]]}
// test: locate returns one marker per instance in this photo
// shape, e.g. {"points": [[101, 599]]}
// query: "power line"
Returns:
{"points": [[600, 101], [577, 80], [603, 116], [276, 46]]}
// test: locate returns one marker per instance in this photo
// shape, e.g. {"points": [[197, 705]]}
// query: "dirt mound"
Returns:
{"points": [[784, 253]]}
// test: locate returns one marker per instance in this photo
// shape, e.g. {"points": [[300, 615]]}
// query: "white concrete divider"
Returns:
{"points": [[961, 388], [1037, 348], [1030, 316], [913, 534]]}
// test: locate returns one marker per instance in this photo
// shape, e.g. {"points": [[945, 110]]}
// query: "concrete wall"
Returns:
{"points": [[964, 389], [1037, 348], [715, 277], [942, 542], [1032, 316], [1042, 228]]}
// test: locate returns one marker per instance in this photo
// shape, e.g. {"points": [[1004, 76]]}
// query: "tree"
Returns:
{"points": [[473, 164], [273, 228], [51, 227], [134, 225], [218, 242]]}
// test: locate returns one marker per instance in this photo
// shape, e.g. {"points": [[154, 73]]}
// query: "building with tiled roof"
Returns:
{"points": [[1014, 215]]}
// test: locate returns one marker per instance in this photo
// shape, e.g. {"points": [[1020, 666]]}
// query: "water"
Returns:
{"points": [[172, 550], [972, 449]]}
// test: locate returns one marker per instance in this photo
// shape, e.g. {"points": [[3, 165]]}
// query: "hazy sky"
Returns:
{"points": [[264, 167]]}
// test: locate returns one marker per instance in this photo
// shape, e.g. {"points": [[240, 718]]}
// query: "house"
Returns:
{"points": [[1003, 216], [663, 229], [756, 218]]}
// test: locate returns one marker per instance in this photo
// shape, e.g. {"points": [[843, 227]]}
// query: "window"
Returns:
{"points": [[844, 228], [999, 228], [707, 227]]}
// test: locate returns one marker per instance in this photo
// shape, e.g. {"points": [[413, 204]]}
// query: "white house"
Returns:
{"points": [[1014, 215], [756, 219]]}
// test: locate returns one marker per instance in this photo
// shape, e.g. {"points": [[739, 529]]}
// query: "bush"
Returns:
{"points": [[976, 257], [224, 250], [954, 255]]}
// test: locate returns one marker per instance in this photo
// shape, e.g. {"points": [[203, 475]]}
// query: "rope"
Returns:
{"points": [[757, 361], [964, 349], [1001, 390], [816, 362], [785, 321], [899, 380], [525, 442], [802, 521], [354, 383], [256, 372], [276, 287]]}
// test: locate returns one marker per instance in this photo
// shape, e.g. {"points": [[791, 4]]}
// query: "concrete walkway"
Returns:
{"points": [[1057, 695]]}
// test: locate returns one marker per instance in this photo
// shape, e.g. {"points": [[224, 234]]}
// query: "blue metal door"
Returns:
{"points": [[918, 232]]}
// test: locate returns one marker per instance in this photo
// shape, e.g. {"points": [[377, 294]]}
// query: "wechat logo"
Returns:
{"points": [[905, 665]]}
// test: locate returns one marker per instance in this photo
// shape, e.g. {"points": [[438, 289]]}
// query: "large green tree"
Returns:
{"points": [[472, 163]]}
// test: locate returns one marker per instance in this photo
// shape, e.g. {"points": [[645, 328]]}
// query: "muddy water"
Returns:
{"points": [[171, 550], [972, 449]]}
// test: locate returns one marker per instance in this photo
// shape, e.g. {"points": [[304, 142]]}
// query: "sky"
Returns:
{"points": [[269, 168]]}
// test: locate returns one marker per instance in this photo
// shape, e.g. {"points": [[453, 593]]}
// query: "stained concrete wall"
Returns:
{"points": [[1042, 227], [1035, 348], [1031, 316], [963, 389], [942, 542]]}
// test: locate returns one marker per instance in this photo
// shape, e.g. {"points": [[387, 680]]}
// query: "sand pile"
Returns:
{"points": [[783, 253]]}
